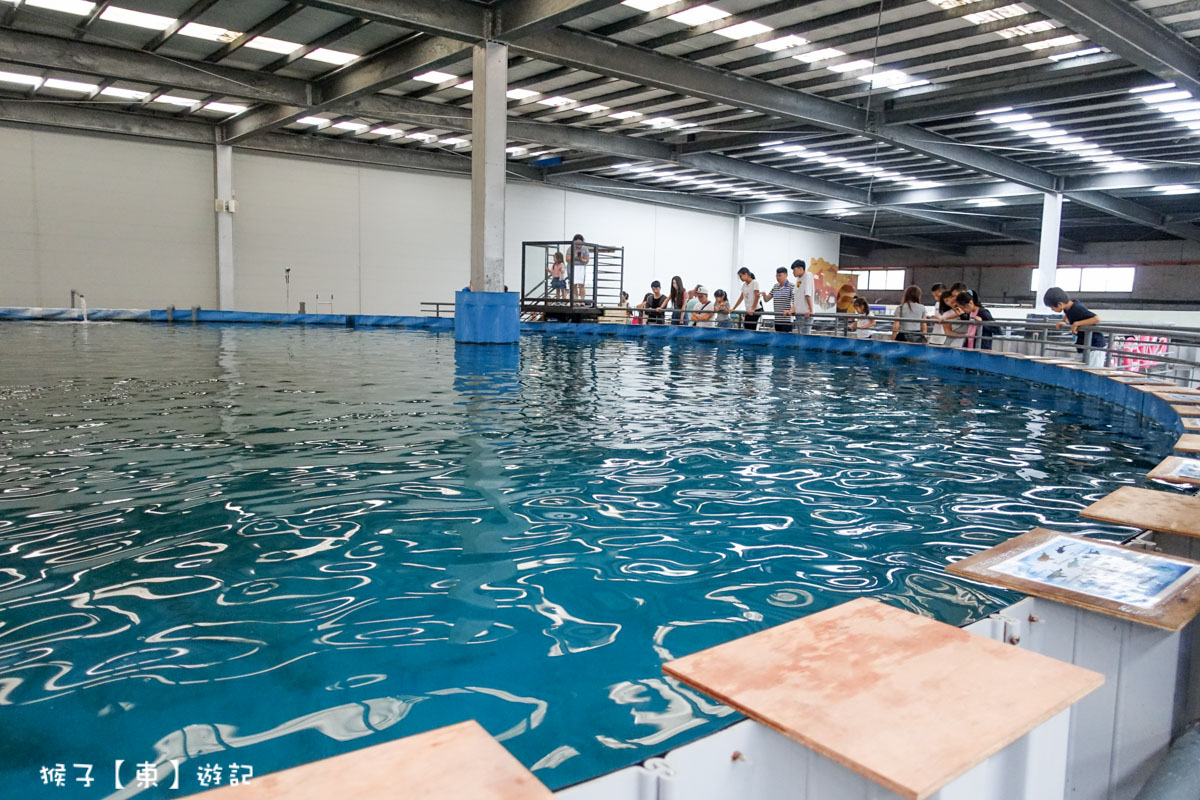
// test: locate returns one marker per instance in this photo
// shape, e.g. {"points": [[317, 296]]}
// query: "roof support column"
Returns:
{"points": [[489, 120], [1048, 248], [225, 207], [739, 244]]}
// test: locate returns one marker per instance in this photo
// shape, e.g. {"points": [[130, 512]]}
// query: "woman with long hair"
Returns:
{"points": [[751, 295], [909, 325], [677, 299]]}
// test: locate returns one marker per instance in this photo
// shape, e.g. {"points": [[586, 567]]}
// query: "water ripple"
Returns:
{"points": [[267, 546]]}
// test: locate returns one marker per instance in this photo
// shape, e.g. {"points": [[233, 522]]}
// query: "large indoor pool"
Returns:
{"points": [[251, 547]]}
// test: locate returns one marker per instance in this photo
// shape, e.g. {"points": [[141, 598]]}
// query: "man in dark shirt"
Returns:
{"points": [[652, 302], [1078, 316]]}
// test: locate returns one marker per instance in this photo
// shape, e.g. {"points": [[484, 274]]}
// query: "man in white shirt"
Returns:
{"points": [[803, 309]]}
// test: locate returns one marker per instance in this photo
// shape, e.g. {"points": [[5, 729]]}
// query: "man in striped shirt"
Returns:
{"points": [[781, 294]]}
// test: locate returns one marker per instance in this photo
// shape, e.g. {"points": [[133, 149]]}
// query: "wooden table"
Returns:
{"points": [[1171, 613], [1166, 512], [1187, 410], [458, 761], [1188, 443], [1165, 470], [907, 702]]}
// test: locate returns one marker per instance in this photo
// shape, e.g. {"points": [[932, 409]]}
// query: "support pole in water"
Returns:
{"points": [[170, 314], [488, 314], [195, 313]]}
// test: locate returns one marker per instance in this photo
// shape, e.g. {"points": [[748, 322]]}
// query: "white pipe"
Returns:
{"points": [[83, 300]]}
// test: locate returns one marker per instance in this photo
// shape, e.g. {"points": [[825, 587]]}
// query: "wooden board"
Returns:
{"points": [[1137, 379], [1163, 472], [1147, 508], [1188, 443], [1187, 411], [1181, 390], [1191, 424], [1180, 398], [1171, 613], [1107, 371], [458, 761], [1051, 360], [905, 701]]}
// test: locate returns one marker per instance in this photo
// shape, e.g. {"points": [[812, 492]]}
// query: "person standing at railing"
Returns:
{"points": [[936, 335], [910, 314], [979, 334], [557, 280], [1078, 316], [803, 297], [721, 306], [781, 295], [704, 310], [653, 303], [579, 263], [678, 298], [751, 296], [864, 324]]}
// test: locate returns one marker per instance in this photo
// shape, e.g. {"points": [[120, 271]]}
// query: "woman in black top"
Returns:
{"points": [[678, 299]]}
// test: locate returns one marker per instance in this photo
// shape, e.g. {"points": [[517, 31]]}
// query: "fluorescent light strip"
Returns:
{"points": [[23, 80], [70, 86], [224, 108], [174, 100], [79, 8], [124, 94]]}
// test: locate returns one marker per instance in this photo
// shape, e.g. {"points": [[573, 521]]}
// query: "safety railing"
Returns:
{"points": [[437, 309]]}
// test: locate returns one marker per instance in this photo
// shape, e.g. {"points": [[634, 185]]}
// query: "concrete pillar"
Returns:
{"points": [[739, 243], [489, 126], [1048, 248], [487, 314], [223, 161]]}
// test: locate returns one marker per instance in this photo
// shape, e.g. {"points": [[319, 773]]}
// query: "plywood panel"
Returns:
{"points": [[1168, 468], [1149, 509], [906, 701], [1188, 443], [458, 761]]}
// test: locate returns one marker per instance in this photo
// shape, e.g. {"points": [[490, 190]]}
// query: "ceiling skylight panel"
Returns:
{"points": [[124, 94], [387, 131], [357, 127], [592, 108], [625, 114], [433, 76], [18, 78], [78, 7], [320, 122], [225, 108], [518, 94], [744, 30], [660, 122], [995, 14], [454, 141], [270, 45], [819, 55], [852, 66], [556, 101], [209, 33], [699, 15], [1026, 29], [1058, 41], [70, 86], [891, 78], [335, 57], [1087, 51], [174, 100], [139, 19], [646, 5], [782, 43]]}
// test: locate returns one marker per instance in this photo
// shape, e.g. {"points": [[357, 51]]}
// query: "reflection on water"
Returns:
{"points": [[266, 546]]}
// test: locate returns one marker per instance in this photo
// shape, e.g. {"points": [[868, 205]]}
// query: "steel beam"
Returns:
{"points": [[981, 224], [452, 18], [592, 183], [135, 65], [925, 110], [1127, 209], [861, 232], [1131, 33], [529, 17], [64, 115]]}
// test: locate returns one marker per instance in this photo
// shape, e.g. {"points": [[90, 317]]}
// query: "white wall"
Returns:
{"points": [[127, 222], [130, 223]]}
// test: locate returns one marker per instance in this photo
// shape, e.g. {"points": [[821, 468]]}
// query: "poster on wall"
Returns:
{"points": [[829, 284]]}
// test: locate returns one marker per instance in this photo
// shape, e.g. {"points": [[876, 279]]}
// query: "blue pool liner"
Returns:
{"points": [[1143, 403], [487, 317]]}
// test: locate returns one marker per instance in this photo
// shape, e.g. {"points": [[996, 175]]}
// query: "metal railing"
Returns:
{"points": [[437, 309]]}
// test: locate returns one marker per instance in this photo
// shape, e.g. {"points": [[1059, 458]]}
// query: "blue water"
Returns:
{"points": [[263, 546]]}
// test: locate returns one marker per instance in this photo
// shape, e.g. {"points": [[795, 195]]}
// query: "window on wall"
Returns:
{"points": [[1091, 279], [878, 280]]}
